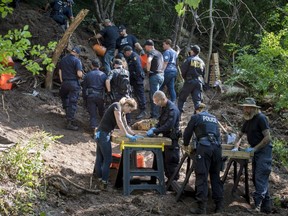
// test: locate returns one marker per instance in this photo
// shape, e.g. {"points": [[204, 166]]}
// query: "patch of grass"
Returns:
{"points": [[280, 152], [21, 170]]}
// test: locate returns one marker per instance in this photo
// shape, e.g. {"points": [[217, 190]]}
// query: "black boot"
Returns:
{"points": [[71, 126], [266, 206], [219, 206], [201, 209]]}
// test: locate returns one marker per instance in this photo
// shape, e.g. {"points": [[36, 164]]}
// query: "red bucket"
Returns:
{"points": [[4, 84], [99, 49], [143, 60]]}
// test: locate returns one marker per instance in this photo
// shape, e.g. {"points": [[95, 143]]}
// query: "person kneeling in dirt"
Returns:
{"points": [[93, 90], [70, 71], [256, 127], [114, 116], [208, 158], [168, 125]]}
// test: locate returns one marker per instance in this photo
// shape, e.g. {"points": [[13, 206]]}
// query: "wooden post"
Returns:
{"points": [[62, 44]]}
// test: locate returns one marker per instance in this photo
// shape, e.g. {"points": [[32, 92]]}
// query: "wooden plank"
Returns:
{"points": [[238, 154], [117, 137]]}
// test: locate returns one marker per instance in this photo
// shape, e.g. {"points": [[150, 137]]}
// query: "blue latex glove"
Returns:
{"points": [[249, 149], [150, 132], [138, 136], [97, 135], [131, 137], [235, 149]]}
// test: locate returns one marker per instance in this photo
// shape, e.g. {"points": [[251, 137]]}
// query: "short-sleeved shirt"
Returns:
{"points": [[121, 42], [108, 121], [192, 68], [170, 56], [157, 61], [69, 66], [253, 129], [110, 35]]}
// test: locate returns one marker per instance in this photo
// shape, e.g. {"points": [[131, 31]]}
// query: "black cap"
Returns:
{"points": [[121, 28], [149, 43], [195, 48], [76, 50], [127, 48], [117, 61], [95, 63]]}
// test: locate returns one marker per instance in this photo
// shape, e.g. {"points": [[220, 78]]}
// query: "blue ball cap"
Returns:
{"points": [[76, 50]]}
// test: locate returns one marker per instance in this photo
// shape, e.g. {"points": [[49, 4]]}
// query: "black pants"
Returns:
{"points": [[171, 157], [208, 161]]}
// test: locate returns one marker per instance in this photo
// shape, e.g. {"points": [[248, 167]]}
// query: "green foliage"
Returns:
{"points": [[265, 70], [23, 166], [181, 6], [16, 44], [280, 152], [4, 9]]}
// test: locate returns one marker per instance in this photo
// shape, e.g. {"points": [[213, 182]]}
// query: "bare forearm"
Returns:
{"points": [[238, 140], [265, 141]]}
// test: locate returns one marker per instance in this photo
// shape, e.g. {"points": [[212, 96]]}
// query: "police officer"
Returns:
{"points": [[208, 158], [61, 10], [136, 78], [93, 90], [154, 68], [70, 71], [192, 70], [127, 40], [257, 129], [168, 125]]}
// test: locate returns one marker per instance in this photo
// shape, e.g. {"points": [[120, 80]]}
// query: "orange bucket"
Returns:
{"points": [[143, 60], [4, 84], [99, 49]]}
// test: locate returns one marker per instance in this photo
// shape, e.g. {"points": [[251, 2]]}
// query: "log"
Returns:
{"points": [[117, 137], [62, 44]]}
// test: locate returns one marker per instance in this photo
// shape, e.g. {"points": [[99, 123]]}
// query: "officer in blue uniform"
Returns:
{"points": [[208, 158], [93, 90], [136, 78], [168, 125], [192, 71], [70, 71]]}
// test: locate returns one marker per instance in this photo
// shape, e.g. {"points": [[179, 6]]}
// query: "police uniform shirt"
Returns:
{"points": [[69, 66], [170, 56], [157, 61], [108, 121], [202, 124], [110, 35], [134, 66], [95, 80], [192, 68], [253, 128], [168, 120], [121, 42]]}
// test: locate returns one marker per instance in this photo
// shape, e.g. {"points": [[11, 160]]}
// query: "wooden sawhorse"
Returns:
{"points": [[190, 168], [128, 172], [236, 175]]}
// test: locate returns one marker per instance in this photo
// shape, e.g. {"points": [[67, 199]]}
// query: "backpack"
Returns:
{"points": [[123, 81]]}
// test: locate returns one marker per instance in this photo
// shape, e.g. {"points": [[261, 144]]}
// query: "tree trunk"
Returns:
{"points": [[104, 9], [210, 41], [62, 44]]}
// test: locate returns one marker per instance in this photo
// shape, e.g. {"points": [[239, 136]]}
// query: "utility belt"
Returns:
{"points": [[90, 91], [191, 78], [209, 139]]}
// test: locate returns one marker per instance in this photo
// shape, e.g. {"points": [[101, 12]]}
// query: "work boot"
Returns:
{"points": [[141, 115], [258, 203], [103, 185], [201, 209], [266, 206], [219, 206], [70, 126]]}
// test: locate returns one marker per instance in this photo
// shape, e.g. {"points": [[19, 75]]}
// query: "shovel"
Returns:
{"points": [[230, 137]]}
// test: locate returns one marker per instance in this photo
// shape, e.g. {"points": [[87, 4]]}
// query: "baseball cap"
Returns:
{"points": [[121, 28], [95, 63], [149, 43], [76, 50], [195, 48], [127, 48], [107, 21]]}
